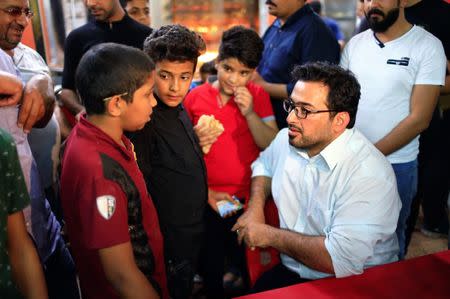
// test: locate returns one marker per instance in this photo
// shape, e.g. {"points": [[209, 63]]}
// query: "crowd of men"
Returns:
{"points": [[141, 181]]}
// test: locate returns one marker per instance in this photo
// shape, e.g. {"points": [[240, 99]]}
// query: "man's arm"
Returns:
{"points": [[423, 102], [10, 89], [260, 191], [308, 250], [25, 264], [123, 274], [446, 88], [70, 100], [275, 90], [38, 103]]}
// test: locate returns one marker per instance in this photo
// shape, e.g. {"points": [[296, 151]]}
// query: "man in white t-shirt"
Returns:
{"points": [[400, 68]]}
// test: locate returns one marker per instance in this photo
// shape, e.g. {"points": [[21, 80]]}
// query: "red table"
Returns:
{"points": [[423, 277]]}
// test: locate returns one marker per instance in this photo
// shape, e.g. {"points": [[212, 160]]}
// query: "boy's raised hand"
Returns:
{"points": [[244, 100], [206, 135]]}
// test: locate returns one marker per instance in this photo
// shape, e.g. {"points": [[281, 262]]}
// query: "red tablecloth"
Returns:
{"points": [[423, 277]]}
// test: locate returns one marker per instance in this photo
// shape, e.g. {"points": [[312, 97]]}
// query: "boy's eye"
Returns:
{"points": [[245, 74], [163, 76], [185, 78]]}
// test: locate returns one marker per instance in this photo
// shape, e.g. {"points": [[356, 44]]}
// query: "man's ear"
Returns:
{"points": [[114, 106], [341, 121]]}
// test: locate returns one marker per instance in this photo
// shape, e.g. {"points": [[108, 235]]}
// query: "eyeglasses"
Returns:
{"points": [[17, 12], [300, 111], [116, 95]]}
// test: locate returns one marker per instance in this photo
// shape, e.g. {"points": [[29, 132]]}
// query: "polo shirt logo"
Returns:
{"points": [[106, 205], [402, 61]]}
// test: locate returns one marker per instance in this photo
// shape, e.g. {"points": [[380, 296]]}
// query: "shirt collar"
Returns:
{"points": [[337, 150], [90, 130], [332, 154]]}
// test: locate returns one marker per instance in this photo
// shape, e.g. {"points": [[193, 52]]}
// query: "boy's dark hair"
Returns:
{"points": [[344, 89], [243, 44], [209, 67], [110, 69], [174, 43]]}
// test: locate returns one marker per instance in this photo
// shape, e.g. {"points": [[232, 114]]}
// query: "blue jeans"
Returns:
{"points": [[406, 175]]}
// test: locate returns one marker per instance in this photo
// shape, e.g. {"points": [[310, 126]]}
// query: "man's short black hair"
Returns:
{"points": [[110, 69], [243, 44], [344, 89], [174, 43]]}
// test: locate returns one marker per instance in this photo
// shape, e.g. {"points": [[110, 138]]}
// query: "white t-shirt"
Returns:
{"points": [[387, 76]]}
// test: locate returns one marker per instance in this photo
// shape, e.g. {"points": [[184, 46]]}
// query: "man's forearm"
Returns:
{"points": [[71, 101], [44, 84], [308, 250], [276, 90], [259, 192], [423, 103]]}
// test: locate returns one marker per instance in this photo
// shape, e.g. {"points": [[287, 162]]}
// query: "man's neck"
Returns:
{"points": [[400, 27], [284, 19], [117, 15]]}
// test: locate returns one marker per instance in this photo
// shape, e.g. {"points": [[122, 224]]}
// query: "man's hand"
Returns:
{"points": [[248, 219], [215, 196], [244, 100], [10, 90], [255, 235], [38, 103]]}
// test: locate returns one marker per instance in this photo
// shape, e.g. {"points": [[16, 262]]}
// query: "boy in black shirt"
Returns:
{"points": [[169, 155]]}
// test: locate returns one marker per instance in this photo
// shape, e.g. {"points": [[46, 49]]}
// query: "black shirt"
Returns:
{"points": [[172, 162], [433, 16], [126, 32]]}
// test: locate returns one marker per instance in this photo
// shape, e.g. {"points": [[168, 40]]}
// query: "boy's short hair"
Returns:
{"points": [[174, 43], [243, 44], [110, 69]]}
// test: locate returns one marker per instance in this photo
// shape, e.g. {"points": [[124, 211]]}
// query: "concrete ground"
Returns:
{"points": [[423, 245]]}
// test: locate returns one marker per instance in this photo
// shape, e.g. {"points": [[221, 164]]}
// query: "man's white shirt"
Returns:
{"points": [[347, 193], [387, 75]]}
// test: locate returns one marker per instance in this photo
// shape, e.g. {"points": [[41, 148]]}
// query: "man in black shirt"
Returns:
{"points": [[170, 157], [434, 160], [110, 24]]}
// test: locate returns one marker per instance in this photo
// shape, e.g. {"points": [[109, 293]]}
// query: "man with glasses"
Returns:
{"points": [[59, 268], [335, 192]]}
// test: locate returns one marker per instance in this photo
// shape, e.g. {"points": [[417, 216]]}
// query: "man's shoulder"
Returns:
{"points": [[363, 153]]}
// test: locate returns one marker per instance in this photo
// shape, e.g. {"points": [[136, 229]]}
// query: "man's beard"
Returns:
{"points": [[387, 21]]}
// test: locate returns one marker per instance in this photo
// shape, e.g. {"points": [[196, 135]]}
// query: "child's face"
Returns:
{"points": [[172, 81], [138, 112], [231, 73]]}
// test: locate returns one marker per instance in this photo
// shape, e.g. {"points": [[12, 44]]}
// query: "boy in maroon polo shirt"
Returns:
{"points": [[245, 111], [112, 224]]}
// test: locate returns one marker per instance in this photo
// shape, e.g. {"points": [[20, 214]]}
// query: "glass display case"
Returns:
{"points": [[208, 18]]}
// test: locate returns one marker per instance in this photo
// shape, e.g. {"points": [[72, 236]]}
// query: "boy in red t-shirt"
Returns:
{"points": [[111, 221], [246, 114]]}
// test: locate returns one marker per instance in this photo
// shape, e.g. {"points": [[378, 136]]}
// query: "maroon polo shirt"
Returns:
{"points": [[98, 178]]}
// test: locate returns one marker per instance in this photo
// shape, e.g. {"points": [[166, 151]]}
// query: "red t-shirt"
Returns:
{"points": [[95, 170], [229, 160]]}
